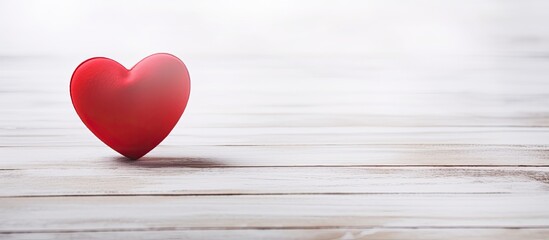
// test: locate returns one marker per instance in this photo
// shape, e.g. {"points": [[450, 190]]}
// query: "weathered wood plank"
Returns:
{"points": [[100, 156], [173, 180], [295, 136], [285, 211], [298, 234]]}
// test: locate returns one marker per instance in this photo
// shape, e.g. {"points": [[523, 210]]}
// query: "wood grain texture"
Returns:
{"points": [[281, 155], [267, 162], [157, 180], [298, 136], [297, 234], [286, 211]]}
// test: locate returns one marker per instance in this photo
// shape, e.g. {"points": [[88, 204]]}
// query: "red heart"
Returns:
{"points": [[132, 111]]}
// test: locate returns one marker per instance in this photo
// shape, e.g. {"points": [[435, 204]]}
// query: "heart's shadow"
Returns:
{"points": [[170, 162]]}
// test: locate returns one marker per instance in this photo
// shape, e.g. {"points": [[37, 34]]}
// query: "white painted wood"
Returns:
{"points": [[298, 234], [133, 179], [100, 156], [285, 211], [296, 136]]}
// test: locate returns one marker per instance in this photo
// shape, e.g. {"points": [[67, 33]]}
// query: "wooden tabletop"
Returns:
{"points": [[273, 147]]}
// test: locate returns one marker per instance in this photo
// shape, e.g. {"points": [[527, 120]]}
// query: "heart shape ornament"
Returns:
{"points": [[131, 111]]}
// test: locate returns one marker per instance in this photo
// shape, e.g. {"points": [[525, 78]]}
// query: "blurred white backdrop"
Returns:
{"points": [[249, 27]]}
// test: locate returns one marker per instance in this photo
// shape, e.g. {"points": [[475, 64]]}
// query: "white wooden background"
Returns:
{"points": [[440, 139]]}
